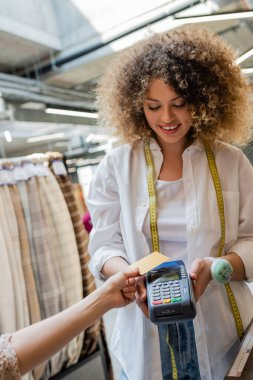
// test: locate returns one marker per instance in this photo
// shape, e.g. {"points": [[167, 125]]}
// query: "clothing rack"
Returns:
{"points": [[37, 162], [53, 167], [33, 158]]}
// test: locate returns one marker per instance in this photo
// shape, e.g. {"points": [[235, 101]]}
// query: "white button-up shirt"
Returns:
{"points": [[118, 202]]}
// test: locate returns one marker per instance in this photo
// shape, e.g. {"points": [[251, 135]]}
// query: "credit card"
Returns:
{"points": [[150, 262]]}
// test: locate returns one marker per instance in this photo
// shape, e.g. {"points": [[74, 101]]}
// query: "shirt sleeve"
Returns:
{"points": [[9, 369], [243, 246], [103, 202]]}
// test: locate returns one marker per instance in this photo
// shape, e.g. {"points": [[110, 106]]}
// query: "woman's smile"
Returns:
{"points": [[169, 129], [167, 114]]}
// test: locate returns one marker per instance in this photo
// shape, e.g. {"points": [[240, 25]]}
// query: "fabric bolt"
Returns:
{"points": [[32, 296], [120, 233], [9, 227], [51, 289], [23, 194], [9, 369], [78, 194], [58, 360], [88, 282], [7, 299], [67, 253]]}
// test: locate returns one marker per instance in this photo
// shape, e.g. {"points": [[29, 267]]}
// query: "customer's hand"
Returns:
{"points": [[121, 287], [200, 273], [141, 295]]}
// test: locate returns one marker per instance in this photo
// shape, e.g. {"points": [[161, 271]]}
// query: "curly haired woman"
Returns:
{"points": [[180, 97]]}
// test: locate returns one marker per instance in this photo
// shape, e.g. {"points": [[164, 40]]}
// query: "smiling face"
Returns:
{"points": [[167, 114]]}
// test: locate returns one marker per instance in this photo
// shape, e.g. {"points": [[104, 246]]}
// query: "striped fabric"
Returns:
{"points": [[82, 239], [66, 250], [48, 276], [7, 299], [46, 268], [15, 314], [32, 296], [93, 333], [10, 232], [23, 194], [31, 291], [78, 194]]}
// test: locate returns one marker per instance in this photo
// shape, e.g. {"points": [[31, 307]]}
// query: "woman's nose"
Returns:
{"points": [[167, 115]]}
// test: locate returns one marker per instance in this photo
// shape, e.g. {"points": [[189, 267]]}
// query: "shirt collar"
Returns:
{"points": [[154, 144], [197, 144]]}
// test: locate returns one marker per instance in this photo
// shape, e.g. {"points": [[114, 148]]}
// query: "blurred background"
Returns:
{"points": [[52, 53]]}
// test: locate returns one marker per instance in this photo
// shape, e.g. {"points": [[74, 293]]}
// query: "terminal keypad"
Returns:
{"points": [[166, 292]]}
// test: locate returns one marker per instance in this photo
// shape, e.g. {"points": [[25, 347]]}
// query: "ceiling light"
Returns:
{"points": [[59, 111], [37, 106], [96, 138], [248, 71], [171, 22], [214, 17], [46, 137], [7, 135], [244, 56]]}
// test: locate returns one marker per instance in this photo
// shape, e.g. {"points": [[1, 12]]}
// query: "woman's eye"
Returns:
{"points": [[153, 108], [179, 105]]}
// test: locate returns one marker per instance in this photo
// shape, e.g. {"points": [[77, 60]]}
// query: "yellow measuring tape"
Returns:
{"points": [[155, 238], [173, 360], [152, 199], [217, 185]]}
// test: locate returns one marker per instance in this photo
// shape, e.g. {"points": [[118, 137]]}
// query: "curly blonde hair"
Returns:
{"points": [[198, 65]]}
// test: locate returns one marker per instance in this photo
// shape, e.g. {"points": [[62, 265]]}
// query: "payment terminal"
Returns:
{"points": [[170, 293]]}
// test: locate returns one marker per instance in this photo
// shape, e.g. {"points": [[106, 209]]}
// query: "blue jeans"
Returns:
{"points": [[181, 338]]}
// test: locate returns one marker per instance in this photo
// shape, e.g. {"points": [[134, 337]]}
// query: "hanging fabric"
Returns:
{"points": [[40, 253], [11, 246], [32, 296], [92, 333], [45, 255]]}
